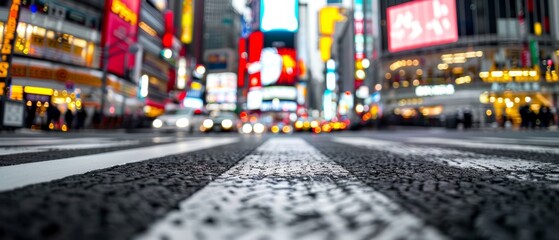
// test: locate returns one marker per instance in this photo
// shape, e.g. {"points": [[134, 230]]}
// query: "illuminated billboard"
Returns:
{"points": [[279, 15], [187, 21], [256, 44], [278, 66], [221, 88], [420, 24], [120, 30], [279, 92], [328, 17], [8, 41]]}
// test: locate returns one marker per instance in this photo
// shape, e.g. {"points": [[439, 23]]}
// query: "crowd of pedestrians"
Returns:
{"points": [[54, 119], [531, 119]]}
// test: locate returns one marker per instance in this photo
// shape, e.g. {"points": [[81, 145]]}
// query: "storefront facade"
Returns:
{"points": [[56, 65], [500, 62]]}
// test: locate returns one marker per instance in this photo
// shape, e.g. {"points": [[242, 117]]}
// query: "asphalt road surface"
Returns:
{"points": [[414, 184]]}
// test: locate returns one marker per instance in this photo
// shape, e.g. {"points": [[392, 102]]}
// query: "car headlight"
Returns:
{"points": [[208, 123], [275, 129], [182, 123], [258, 128], [226, 124], [157, 123], [247, 128], [314, 124], [286, 129]]}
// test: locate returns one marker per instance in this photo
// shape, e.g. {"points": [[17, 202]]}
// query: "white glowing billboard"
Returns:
{"points": [[279, 15], [419, 24]]}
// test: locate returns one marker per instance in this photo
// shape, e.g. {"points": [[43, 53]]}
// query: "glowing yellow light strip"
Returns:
{"points": [[38, 91], [149, 30]]}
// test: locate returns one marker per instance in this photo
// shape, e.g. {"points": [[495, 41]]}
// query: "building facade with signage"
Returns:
{"points": [[59, 54], [56, 60], [440, 59]]}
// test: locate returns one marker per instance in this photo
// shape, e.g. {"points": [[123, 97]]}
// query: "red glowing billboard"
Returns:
{"points": [[289, 70], [256, 44], [120, 30], [243, 56], [420, 24], [278, 66]]}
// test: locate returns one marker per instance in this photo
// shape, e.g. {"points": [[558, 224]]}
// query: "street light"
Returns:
{"points": [[133, 48]]}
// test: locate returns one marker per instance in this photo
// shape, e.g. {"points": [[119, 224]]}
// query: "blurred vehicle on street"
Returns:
{"points": [[185, 119], [221, 121]]}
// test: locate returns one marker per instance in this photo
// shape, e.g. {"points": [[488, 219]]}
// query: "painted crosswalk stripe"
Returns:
{"points": [[528, 140], [69, 146], [287, 189], [516, 168], [15, 176], [483, 145], [18, 142]]}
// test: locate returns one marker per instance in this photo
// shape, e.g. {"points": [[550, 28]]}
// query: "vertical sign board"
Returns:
{"points": [[256, 44], [8, 41], [359, 40], [12, 113], [243, 58], [187, 21], [120, 31]]}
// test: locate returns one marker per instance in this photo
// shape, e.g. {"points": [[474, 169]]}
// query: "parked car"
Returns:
{"points": [[185, 119]]}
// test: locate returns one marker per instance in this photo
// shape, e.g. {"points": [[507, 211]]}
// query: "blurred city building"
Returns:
{"points": [[61, 47], [222, 29], [443, 62], [57, 56]]}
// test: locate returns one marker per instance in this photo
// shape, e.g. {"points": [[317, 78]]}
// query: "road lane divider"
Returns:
{"points": [[514, 168], [287, 189], [483, 145], [16, 176]]}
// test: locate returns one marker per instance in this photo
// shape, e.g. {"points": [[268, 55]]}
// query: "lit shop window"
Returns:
{"points": [[40, 42], [22, 45]]}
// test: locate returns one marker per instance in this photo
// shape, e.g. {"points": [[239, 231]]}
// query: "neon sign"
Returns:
{"points": [[8, 41], [120, 26], [124, 12]]}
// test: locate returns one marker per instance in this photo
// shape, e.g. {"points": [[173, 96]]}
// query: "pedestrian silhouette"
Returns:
{"points": [[82, 115], [69, 117]]}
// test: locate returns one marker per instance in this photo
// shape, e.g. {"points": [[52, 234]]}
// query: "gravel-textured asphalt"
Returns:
{"points": [[299, 187], [114, 203], [462, 203]]}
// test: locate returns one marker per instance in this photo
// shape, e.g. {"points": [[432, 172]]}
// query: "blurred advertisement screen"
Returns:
{"points": [[420, 24], [221, 88], [279, 66], [279, 15], [119, 32]]}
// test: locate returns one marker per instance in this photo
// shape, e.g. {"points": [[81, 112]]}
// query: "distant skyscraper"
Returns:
{"points": [[220, 25]]}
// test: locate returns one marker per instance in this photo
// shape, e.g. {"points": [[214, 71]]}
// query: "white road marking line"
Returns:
{"points": [[517, 168], [530, 140], [15, 150], [288, 190], [165, 139], [69, 146], [470, 144], [16, 176], [49, 141]]}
